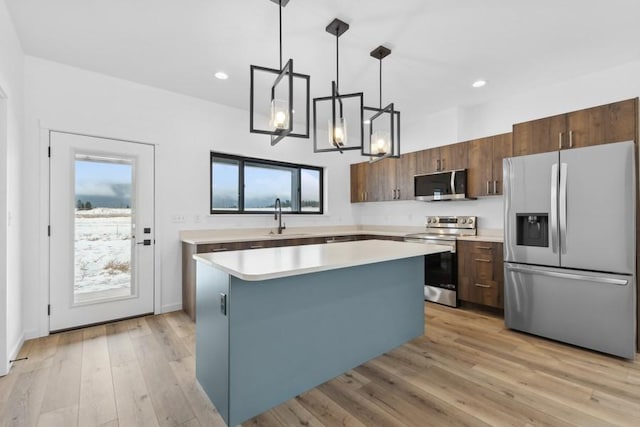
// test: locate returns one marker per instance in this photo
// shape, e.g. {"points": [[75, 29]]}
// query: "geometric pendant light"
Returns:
{"points": [[279, 98], [330, 130], [384, 123]]}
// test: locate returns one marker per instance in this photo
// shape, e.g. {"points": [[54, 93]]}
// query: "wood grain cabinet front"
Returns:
{"points": [[480, 273], [484, 173], [604, 124]]}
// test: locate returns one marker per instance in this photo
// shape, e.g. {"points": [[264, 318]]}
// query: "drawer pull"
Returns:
{"points": [[480, 285], [256, 246], [220, 249], [482, 260], [483, 247]]}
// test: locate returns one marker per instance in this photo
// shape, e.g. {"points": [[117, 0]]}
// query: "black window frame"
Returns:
{"points": [[253, 160]]}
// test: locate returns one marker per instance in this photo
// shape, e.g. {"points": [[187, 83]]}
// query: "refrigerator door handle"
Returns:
{"points": [[563, 208], [554, 208], [572, 276]]}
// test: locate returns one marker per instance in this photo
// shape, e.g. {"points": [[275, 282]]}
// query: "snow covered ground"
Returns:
{"points": [[102, 252]]}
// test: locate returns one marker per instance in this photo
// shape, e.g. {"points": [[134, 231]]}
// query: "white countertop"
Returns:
{"points": [[202, 237], [271, 263]]}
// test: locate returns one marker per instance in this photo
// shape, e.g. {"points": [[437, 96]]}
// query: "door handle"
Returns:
{"points": [[554, 208], [562, 275], [145, 242], [563, 208], [570, 139], [223, 303]]}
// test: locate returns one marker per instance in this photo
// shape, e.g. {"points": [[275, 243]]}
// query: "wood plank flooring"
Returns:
{"points": [[467, 370]]}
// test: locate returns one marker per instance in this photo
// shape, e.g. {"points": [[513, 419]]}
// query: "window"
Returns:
{"points": [[246, 185]]}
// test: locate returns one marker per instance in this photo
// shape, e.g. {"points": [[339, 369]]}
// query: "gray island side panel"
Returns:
{"points": [[290, 334]]}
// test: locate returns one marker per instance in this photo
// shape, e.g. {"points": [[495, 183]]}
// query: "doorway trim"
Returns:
{"points": [[4, 321], [44, 221]]}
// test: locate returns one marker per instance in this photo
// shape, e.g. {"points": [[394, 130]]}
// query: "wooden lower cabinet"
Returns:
{"points": [[481, 273]]}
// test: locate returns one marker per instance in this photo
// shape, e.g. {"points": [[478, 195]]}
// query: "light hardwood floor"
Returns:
{"points": [[467, 370]]}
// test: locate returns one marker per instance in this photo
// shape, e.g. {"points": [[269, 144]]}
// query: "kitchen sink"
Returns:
{"points": [[293, 235]]}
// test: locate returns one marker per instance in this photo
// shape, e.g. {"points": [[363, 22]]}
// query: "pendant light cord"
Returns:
{"points": [[337, 61], [280, 13], [380, 83]]}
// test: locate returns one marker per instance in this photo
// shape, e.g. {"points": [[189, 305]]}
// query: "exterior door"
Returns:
{"points": [[102, 230]]}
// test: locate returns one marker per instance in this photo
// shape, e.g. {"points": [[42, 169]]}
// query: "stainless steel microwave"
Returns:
{"points": [[448, 185]]}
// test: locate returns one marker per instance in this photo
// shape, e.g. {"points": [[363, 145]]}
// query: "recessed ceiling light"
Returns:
{"points": [[366, 122], [479, 83], [221, 75]]}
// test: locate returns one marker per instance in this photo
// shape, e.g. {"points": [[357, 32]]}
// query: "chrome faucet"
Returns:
{"points": [[278, 215]]}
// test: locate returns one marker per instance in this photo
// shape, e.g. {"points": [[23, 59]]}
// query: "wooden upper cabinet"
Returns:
{"points": [[359, 182], [602, 125], [405, 171], [427, 161], [484, 173], [453, 156], [444, 158], [381, 180], [605, 124], [538, 136]]}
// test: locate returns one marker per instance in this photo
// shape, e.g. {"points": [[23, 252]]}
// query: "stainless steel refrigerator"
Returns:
{"points": [[570, 246]]}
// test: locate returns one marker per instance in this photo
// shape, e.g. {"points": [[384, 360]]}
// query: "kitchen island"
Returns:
{"points": [[275, 322]]}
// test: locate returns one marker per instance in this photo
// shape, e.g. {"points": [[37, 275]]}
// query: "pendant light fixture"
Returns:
{"points": [[384, 123], [340, 109], [275, 100]]}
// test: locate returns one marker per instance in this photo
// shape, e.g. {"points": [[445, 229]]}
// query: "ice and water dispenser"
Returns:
{"points": [[532, 229]]}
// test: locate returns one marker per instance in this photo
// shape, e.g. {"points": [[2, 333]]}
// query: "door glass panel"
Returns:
{"points": [[103, 229]]}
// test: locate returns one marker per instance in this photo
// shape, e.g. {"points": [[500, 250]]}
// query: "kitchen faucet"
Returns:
{"points": [[278, 215]]}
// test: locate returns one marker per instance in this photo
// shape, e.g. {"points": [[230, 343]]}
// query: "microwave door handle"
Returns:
{"points": [[554, 208], [563, 208], [453, 182]]}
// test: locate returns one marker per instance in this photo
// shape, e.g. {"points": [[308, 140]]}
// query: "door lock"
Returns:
{"points": [[145, 242]]}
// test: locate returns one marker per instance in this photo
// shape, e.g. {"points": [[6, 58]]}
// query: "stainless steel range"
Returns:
{"points": [[441, 270]]}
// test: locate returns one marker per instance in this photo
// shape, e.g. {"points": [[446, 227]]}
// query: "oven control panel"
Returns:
{"points": [[468, 222]]}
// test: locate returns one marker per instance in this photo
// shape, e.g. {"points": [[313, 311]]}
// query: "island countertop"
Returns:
{"points": [[271, 263]]}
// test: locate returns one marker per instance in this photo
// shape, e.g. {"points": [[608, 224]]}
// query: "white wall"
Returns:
{"points": [[493, 118], [185, 130], [11, 114]]}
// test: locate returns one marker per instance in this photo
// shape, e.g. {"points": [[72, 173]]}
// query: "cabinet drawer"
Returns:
{"points": [[485, 292]]}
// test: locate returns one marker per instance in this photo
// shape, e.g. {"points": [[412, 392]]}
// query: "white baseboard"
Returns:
{"points": [[33, 333], [13, 353], [171, 307]]}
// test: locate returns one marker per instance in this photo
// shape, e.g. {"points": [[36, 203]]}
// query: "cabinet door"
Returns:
{"points": [[538, 136], [381, 181], [502, 148], [602, 125], [479, 280], [405, 171], [427, 161], [359, 182], [453, 156], [479, 172]]}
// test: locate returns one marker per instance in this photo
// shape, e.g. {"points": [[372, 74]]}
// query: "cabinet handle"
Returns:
{"points": [[560, 141], [570, 139], [488, 192], [443, 164], [366, 196], [256, 246], [438, 165], [483, 247], [398, 194], [220, 249], [495, 187], [394, 193], [482, 260], [480, 285]]}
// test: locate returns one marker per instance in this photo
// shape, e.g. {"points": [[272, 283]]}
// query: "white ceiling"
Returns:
{"points": [[439, 47]]}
